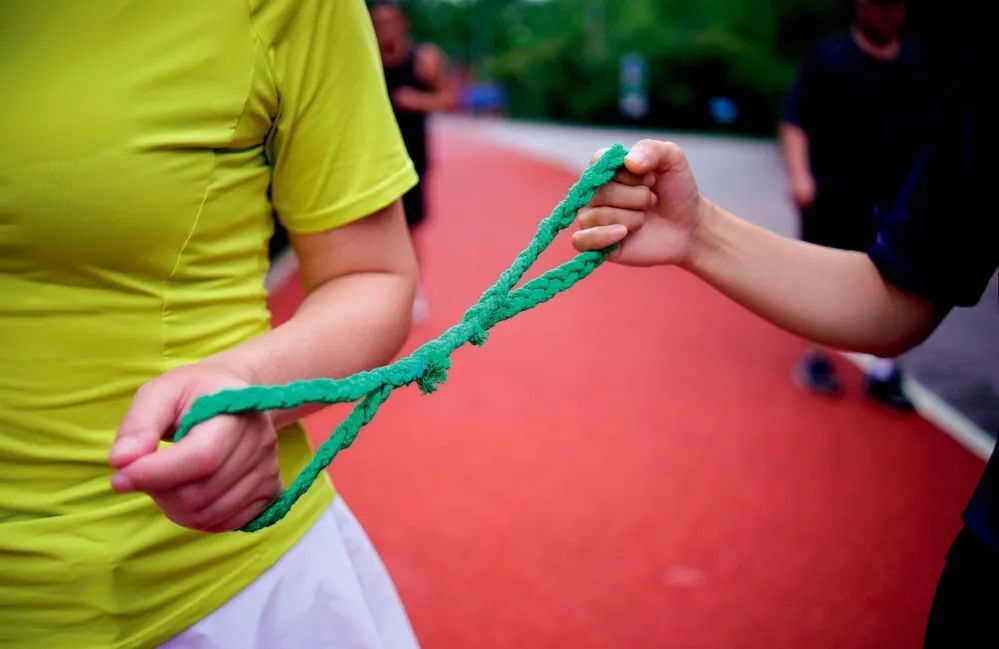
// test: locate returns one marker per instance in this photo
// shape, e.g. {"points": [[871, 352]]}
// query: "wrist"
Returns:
{"points": [[703, 236], [799, 175], [425, 103], [230, 363]]}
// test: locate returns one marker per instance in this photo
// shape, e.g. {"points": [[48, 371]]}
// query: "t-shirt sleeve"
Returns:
{"points": [[940, 240], [803, 101], [335, 147]]}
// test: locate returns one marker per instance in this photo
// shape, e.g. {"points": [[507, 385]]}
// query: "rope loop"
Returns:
{"points": [[429, 364]]}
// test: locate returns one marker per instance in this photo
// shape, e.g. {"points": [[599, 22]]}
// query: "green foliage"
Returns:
{"points": [[558, 59]]}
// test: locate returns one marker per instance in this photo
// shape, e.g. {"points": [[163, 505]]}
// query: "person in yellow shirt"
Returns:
{"points": [[144, 148]]}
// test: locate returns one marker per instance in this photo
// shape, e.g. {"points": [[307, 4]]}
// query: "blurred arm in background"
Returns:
{"points": [[798, 111], [794, 148], [432, 68]]}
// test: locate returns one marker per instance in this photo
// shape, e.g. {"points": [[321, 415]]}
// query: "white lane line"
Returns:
{"points": [[281, 270], [937, 411]]}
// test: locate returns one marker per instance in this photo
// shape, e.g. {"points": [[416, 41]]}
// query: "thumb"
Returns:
{"points": [[151, 415], [655, 156]]}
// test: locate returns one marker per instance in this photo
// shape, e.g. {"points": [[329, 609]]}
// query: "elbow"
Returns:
{"points": [[403, 314], [408, 311], [906, 324], [892, 343], [886, 349]]}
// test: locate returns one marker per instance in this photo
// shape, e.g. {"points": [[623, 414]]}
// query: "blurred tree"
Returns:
{"points": [[559, 59]]}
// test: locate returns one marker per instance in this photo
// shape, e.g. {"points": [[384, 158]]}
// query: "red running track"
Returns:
{"points": [[630, 465]]}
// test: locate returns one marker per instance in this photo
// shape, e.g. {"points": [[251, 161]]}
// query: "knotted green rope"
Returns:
{"points": [[428, 365]]}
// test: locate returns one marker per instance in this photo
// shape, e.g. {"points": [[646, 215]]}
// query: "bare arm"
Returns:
{"points": [[432, 69], [794, 149], [359, 281], [831, 296], [834, 297]]}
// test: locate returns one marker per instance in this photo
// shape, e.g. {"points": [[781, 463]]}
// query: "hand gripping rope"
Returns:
{"points": [[428, 365]]}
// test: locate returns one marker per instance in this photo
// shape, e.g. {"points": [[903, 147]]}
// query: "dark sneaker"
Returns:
{"points": [[889, 392], [816, 374]]}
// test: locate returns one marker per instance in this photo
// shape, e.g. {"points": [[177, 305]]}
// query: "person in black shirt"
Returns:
{"points": [[418, 84], [866, 90], [937, 248]]}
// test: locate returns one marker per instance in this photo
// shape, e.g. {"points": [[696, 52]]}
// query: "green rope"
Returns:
{"points": [[428, 365]]}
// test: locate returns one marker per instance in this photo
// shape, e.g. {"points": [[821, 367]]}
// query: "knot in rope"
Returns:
{"points": [[434, 375], [429, 364], [475, 318]]}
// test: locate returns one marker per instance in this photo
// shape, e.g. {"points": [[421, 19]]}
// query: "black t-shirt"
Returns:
{"points": [[941, 240], [412, 124], [866, 120]]}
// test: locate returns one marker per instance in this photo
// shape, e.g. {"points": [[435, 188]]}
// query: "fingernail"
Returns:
{"points": [[120, 482], [636, 158], [123, 446]]}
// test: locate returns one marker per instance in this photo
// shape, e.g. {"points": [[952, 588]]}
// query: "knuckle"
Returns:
{"points": [[673, 149], [605, 216], [180, 519], [145, 388], [200, 520], [270, 474], [269, 490], [192, 497], [267, 443], [206, 459]]}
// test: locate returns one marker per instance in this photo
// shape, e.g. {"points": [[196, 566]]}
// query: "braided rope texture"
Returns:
{"points": [[428, 365]]}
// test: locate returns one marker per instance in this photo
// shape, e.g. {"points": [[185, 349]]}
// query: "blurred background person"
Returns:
{"points": [[867, 92], [419, 83]]}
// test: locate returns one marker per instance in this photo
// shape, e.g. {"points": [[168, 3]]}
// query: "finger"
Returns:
{"points": [[251, 451], [625, 177], [196, 457], [655, 156], [151, 415], [248, 513], [599, 154], [598, 238], [623, 196], [592, 217], [262, 484]]}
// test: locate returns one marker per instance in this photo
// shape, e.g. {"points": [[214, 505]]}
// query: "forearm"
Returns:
{"points": [[431, 101], [794, 148], [834, 297], [348, 324]]}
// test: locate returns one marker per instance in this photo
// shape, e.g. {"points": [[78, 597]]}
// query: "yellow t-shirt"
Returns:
{"points": [[144, 146]]}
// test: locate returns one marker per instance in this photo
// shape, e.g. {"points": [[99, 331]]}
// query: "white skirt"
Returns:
{"points": [[330, 591]]}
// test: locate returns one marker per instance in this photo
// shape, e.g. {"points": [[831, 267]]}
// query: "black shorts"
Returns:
{"points": [[412, 202], [965, 611]]}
